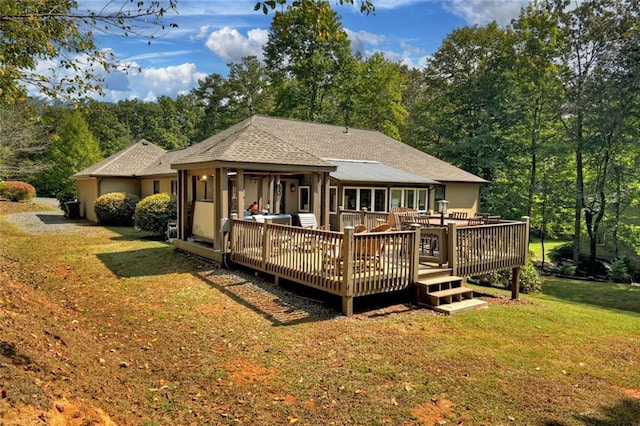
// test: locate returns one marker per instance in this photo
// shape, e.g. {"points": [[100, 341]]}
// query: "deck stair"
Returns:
{"points": [[443, 292]]}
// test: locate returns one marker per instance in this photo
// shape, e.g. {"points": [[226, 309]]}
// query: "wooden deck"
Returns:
{"points": [[351, 265]]}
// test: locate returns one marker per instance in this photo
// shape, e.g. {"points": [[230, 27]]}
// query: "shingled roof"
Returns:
{"points": [[249, 143], [126, 163], [262, 139]]}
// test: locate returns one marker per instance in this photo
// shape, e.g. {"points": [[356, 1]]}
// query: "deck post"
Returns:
{"points": [[415, 259], [347, 272], [340, 221], [515, 283], [452, 249], [266, 247]]}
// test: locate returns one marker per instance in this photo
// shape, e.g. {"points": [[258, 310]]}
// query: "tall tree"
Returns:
{"points": [[594, 30], [22, 141], [112, 134], [373, 90], [305, 53], [73, 148]]}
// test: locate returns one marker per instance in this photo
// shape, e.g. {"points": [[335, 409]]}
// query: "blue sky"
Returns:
{"points": [[212, 33]]}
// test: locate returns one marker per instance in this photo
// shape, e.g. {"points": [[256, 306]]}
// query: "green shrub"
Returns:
{"points": [[567, 268], [17, 191], [620, 271], [116, 208], [154, 212], [529, 279]]}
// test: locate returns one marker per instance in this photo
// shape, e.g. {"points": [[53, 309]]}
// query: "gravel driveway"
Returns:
{"points": [[52, 222]]}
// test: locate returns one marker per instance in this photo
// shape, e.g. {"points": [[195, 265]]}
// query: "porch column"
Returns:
{"points": [[315, 198], [241, 198], [220, 204], [326, 196], [182, 203], [275, 208], [270, 199]]}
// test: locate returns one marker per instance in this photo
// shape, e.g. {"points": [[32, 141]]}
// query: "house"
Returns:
{"points": [[141, 169], [290, 168]]}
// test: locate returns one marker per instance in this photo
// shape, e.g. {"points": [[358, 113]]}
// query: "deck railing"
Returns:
{"points": [[361, 217], [346, 264], [477, 250], [350, 265]]}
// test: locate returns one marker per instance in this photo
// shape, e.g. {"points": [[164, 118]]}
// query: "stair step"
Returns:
{"points": [[439, 280], [451, 292], [449, 295], [464, 305]]}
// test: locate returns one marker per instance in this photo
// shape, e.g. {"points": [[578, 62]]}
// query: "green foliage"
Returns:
{"points": [[529, 279], [73, 149], [620, 271], [154, 212], [22, 141], [567, 268], [38, 32], [564, 251], [306, 52], [17, 191], [116, 208]]}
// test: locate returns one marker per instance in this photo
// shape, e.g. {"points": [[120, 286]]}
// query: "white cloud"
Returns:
{"points": [[232, 46], [202, 33], [171, 81], [484, 11]]}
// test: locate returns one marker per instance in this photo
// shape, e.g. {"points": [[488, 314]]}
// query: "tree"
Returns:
{"points": [[57, 31], [372, 93], [22, 141], [73, 149], [594, 31], [366, 6], [305, 53], [112, 134]]}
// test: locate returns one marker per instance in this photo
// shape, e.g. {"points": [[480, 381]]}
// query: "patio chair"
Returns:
{"points": [[490, 220], [458, 215], [367, 254], [475, 221], [360, 228], [308, 220]]}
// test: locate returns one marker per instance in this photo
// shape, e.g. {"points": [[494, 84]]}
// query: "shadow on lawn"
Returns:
{"points": [[622, 297], [146, 262], [624, 413], [281, 305]]}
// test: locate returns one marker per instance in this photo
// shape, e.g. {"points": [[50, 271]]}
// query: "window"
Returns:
{"points": [[333, 199], [174, 186], [304, 193], [413, 198], [156, 186], [438, 194], [372, 199]]}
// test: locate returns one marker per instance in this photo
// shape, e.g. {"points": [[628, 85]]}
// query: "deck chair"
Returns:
{"points": [[360, 228], [367, 253], [392, 218], [475, 221], [308, 220], [458, 215]]}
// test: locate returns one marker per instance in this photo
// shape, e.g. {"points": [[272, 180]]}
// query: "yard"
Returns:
{"points": [[100, 326]]}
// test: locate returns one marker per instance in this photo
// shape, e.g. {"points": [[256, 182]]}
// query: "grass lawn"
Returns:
{"points": [[106, 326]]}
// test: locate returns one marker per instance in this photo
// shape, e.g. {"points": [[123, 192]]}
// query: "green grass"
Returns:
{"points": [[210, 345], [535, 245]]}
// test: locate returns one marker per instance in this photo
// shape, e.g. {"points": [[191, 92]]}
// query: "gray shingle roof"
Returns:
{"points": [[126, 163], [262, 139], [248, 143]]}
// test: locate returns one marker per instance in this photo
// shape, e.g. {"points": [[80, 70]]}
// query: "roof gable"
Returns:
{"points": [[248, 143], [127, 162]]}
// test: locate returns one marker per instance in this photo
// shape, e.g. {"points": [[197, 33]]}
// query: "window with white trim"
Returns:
{"points": [[413, 198], [372, 199], [333, 199], [304, 196]]}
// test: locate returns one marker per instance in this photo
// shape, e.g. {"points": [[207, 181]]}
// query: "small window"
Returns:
{"points": [[438, 194], [351, 199], [333, 199], [304, 196], [174, 186], [156, 186]]}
